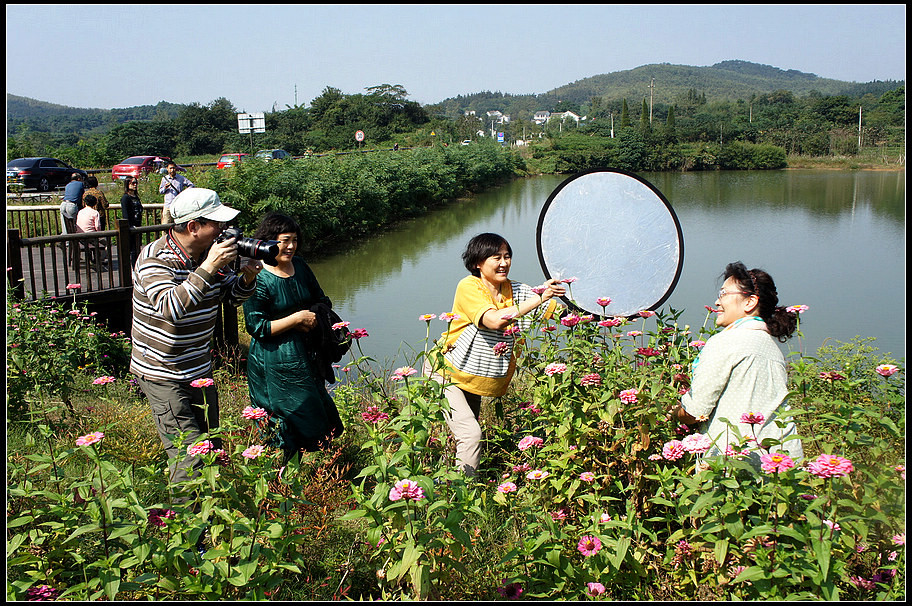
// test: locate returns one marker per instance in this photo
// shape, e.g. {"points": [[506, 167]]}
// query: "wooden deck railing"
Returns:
{"points": [[41, 262]]}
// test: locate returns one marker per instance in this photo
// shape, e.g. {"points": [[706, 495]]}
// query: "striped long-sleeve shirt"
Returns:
{"points": [[175, 307]]}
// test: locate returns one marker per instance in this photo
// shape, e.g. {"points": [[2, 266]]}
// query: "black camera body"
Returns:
{"points": [[266, 251]]}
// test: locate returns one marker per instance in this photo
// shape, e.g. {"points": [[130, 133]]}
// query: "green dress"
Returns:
{"points": [[280, 371]]}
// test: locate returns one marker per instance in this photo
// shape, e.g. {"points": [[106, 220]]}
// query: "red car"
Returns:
{"points": [[228, 160], [137, 166]]}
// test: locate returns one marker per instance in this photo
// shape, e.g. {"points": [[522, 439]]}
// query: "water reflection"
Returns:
{"points": [[832, 240]]}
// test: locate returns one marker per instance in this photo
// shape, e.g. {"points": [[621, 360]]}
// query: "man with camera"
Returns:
{"points": [[179, 281], [171, 185]]}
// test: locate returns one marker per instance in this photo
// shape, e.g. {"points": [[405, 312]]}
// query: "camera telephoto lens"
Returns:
{"points": [[266, 251]]}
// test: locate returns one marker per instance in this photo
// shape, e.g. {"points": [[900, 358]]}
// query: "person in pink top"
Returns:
{"points": [[88, 219]]}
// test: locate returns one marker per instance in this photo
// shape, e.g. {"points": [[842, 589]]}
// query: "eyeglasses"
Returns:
{"points": [[724, 292], [221, 224]]}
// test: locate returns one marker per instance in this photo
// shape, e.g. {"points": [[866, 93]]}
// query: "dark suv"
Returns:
{"points": [[43, 174]]}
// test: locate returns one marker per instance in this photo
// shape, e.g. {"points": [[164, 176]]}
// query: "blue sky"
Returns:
{"points": [[257, 55]]}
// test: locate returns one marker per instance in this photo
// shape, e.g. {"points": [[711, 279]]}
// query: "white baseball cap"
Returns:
{"points": [[200, 203]]}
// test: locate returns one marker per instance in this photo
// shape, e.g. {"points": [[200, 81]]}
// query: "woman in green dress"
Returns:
{"points": [[282, 376]]}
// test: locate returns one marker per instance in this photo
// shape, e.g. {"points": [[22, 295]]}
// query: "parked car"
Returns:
{"points": [[467, 142], [137, 166], [272, 154], [43, 174], [228, 160]]}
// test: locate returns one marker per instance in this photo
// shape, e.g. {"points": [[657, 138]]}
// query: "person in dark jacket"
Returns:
{"points": [[132, 210], [283, 373]]}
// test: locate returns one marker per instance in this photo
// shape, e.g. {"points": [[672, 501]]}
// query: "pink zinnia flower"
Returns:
{"points": [[427, 317], [404, 371], [41, 593], [537, 474], [862, 583], [776, 462], [634, 333], [569, 280], [507, 487], [592, 379], [587, 476], [603, 301], [697, 344], [696, 443], [570, 320], [530, 441], [253, 412], [449, 317], [157, 517], [89, 439], [886, 370], [200, 448], [673, 450], [74, 286], [629, 395], [103, 380], [555, 368], [646, 313], [899, 539], [648, 352], [202, 383], [604, 518], [610, 322], [830, 466], [589, 545], [753, 418], [511, 330], [511, 591], [253, 452], [339, 325], [595, 589], [538, 289], [560, 514], [797, 309], [373, 414], [831, 376], [406, 489], [832, 525], [358, 333], [501, 348]]}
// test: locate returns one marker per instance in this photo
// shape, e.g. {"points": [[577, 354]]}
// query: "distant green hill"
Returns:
{"points": [[725, 81], [46, 117]]}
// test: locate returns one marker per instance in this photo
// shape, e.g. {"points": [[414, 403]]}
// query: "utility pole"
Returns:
{"points": [[651, 90], [859, 129]]}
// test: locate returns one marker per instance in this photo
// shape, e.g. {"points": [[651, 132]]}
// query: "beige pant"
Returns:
{"points": [[166, 216], [465, 409]]}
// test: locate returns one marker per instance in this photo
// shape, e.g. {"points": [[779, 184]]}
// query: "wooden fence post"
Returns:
{"points": [[14, 263]]}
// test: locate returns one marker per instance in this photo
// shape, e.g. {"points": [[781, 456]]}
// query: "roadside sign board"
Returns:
{"points": [[359, 136], [251, 123]]}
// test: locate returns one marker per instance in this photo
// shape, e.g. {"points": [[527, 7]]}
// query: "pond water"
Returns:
{"points": [[832, 240]]}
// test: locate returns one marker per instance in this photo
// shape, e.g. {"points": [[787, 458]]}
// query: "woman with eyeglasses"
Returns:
{"points": [[131, 209], [739, 381]]}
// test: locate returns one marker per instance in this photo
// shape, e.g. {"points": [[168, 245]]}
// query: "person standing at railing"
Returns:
{"points": [[171, 185], [72, 200], [102, 206], [132, 210]]}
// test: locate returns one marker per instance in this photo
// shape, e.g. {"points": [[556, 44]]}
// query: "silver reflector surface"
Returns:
{"points": [[617, 235]]}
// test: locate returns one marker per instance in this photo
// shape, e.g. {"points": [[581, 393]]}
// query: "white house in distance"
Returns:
{"points": [[541, 117]]}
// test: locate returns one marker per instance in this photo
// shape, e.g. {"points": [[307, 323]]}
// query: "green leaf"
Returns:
{"points": [[620, 553]]}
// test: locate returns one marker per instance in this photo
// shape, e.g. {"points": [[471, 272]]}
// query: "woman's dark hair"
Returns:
{"points": [[274, 224], [781, 323], [480, 248], [127, 182], [91, 181]]}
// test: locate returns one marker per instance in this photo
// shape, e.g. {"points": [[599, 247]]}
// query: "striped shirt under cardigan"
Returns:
{"points": [[175, 307]]}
